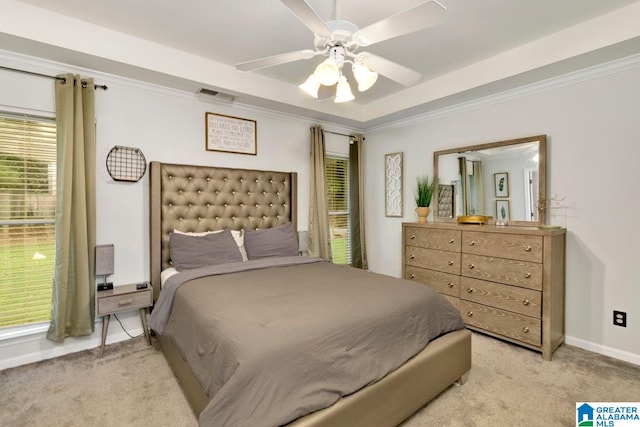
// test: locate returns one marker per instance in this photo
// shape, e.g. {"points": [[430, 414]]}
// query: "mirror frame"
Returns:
{"points": [[542, 174]]}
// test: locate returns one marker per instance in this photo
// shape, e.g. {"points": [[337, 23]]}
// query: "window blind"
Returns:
{"points": [[337, 178], [27, 217]]}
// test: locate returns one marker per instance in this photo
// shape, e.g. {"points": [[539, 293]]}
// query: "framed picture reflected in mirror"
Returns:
{"points": [[501, 183]]}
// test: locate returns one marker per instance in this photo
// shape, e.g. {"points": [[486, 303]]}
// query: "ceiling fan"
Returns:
{"points": [[340, 40]]}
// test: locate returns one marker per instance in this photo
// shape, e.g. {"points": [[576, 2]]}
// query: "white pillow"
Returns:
{"points": [[166, 273], [238, 236]]}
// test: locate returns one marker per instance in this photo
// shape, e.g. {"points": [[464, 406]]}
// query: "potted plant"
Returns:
{"points": [[424, 192]]}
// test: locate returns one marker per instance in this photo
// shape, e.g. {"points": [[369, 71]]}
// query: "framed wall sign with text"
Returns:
{"points": [[231, 134]]}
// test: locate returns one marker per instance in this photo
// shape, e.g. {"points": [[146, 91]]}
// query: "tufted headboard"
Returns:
{"points": [[205, 198]]}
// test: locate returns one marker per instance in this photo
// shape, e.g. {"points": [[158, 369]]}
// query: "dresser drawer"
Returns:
{"points": [[502, 322], [508, 271], [506, 297], [124, 302], [445, 240], [515, 246], [444, 283], [447, 262]]}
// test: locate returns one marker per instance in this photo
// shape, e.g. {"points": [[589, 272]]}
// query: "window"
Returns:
{"points": [[27, 218], [337, 173]]}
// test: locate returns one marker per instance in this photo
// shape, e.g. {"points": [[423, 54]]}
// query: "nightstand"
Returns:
{"points": [[124, 298]]}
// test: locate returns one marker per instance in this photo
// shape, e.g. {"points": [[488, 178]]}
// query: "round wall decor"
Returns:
{"points": [[126, 163]]}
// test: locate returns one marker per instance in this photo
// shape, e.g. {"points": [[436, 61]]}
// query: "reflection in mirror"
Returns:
{"points": [[494, 179]]}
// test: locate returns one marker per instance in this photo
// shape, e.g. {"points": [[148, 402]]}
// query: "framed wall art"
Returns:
{"points": [[393, 184], [501, 183], [502, 210], [230, 134]]}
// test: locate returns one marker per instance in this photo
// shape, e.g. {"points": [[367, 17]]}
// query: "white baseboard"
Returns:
{"points": [[602, 349], [35, 346]]}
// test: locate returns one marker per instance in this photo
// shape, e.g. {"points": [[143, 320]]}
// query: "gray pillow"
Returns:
{"points": [[199, 251], [270, 242]]}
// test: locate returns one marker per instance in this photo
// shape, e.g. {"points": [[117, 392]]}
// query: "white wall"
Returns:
{"points": [[593, 135], [168, 126]]}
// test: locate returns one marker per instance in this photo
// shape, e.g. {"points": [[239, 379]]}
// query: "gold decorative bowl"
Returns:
{"points": [[473, 219]]}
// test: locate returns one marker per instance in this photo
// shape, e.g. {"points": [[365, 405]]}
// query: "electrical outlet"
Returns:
{"points": [[620, 318]]}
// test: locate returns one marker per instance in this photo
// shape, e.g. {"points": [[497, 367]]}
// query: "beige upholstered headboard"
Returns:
{"points": [[205, 198]]}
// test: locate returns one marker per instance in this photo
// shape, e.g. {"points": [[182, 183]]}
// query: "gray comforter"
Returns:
{"points": [[271, 344]]}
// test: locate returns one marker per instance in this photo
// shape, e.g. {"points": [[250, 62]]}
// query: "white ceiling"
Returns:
{"points": [[483, 46]]}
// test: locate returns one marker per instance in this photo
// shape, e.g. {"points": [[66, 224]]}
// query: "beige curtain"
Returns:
{"points": [[319, 242], [356, 203], [478, 186], [464, 176], [73, 306]]}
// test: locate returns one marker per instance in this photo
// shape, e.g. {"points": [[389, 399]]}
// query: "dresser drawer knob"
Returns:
{"points": [[469, 290], [412, 256], [525, 302], [525, 330], [527, 248], [469, 313], [413, 276], [472, 243], [450, 263], [450, 285], [527, 275], [125, 302], [471, 266], [412, 237], [451, 240]]}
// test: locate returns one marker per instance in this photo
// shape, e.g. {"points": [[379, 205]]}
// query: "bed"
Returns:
{"points": [[193, 199]]}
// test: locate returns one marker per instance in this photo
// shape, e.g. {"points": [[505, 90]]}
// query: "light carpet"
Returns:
{"points": [[133, 386]]}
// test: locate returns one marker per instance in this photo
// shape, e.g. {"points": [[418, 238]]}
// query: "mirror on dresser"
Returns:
{"points": [[501, 178]]}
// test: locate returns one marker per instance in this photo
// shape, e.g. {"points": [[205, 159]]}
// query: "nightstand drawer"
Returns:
{"points": [[124, 302]]}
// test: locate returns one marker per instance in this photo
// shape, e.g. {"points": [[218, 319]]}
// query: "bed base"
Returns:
{"points": [[388, 402]]}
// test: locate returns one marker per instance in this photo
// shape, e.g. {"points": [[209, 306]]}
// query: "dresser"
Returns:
{"points": [[508, 282]]}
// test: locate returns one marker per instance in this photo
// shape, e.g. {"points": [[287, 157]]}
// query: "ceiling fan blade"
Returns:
{"points": [[392, 70], [309, 17], [417, 18], [270, 61]]}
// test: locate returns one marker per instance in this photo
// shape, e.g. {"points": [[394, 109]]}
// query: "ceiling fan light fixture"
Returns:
{"points": [[343, 91], [327, 73], [364, 76], [311, 86]]}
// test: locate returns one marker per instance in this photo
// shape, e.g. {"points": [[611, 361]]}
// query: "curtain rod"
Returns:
{"points": [[341, 134], [49, 77], [352, 137], [338, 133]]}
